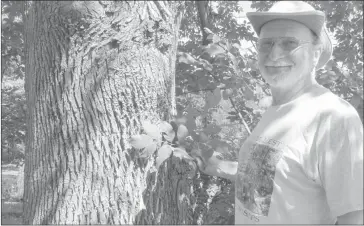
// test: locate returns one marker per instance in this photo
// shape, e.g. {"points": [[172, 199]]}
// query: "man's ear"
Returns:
{"points": [[317, 50]]}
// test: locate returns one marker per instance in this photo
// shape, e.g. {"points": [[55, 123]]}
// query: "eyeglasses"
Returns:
{"points": [[287, 44]]}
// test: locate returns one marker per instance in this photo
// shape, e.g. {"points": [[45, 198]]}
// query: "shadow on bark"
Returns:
{"points": [[177, 194], [169, 195]]}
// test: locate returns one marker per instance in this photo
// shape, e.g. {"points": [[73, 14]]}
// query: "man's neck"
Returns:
{"points": [[284, 95]]}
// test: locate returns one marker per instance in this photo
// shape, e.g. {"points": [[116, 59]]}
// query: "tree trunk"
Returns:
{"points": [[94, 70], [202, 12]]}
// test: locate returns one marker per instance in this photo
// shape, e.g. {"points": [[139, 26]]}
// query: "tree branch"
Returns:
{"points": [[240, 116], [201, 90], [201, 7]]}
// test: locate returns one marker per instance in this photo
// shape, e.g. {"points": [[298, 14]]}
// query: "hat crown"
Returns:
{"points": [[291, 7]]}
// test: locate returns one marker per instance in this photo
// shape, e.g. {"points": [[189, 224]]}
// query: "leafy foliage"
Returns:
{"points": [[13, 105], [12, 38], [165, 136]]}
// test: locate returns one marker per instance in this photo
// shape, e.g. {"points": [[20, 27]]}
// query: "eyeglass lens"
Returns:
{"points": [[286, 44]]}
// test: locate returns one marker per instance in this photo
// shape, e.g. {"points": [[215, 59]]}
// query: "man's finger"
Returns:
{"points": [[201, 165]]}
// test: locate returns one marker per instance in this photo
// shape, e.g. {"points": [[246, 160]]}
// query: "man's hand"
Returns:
{"points": [[207, 166], [216, 167]]}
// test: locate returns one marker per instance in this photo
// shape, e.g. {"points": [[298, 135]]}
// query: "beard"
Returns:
{"points": [[278, 76]]}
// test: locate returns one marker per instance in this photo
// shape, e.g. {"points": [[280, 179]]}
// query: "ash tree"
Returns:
{"points": [[94, 71]]}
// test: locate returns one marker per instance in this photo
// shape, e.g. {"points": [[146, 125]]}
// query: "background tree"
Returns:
{"points": [[13, 106], [94, 72]]}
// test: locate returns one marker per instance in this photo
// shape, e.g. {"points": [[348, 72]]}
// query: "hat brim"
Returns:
{"points": [[314, 20]]}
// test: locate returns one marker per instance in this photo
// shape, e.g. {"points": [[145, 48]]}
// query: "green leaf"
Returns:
{"points": [[202, 137], [222, 60], [213, 38], [252, 64], [212, 129], [232, 35], [328, 77], [214, 49], [199, 73], [194, 135], [182, 132], [140, 141], [206, 65], [356, 100], [167, 128], [248, 93], [180, 120], [151, 130], [251, 104], [163, 153], [213, 99], [181, 153], [192, 112], [265, 102], [191, 124], [205, 150], [203, 82], [329, 64], [179, 91], [236, 45], [148, 151], [227, 93], [217, 93], [186, 58], [258, 90], [219, 146]]}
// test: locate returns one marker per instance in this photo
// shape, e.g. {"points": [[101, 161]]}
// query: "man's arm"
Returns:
{"points": [[224, 169], [216, 167], [355, 217], [341, 165]]}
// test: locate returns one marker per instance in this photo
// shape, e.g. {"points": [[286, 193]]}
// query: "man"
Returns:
{"points": [[303, 163]]}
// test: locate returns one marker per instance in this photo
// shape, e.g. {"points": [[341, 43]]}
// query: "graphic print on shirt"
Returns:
{"points": [[255, 178]]}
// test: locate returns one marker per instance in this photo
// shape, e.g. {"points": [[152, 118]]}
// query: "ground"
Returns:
{"points": [[11, 194]]}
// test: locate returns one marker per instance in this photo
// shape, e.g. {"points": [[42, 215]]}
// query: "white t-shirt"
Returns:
{"points": [[302, 164]]}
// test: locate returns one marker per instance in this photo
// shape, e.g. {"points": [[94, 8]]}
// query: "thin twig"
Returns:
{"points": [[201, 90], [253, 45], [240, 116]]}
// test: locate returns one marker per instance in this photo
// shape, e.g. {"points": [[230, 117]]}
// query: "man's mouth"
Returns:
{"points": [[278, 69], [276, 66]]}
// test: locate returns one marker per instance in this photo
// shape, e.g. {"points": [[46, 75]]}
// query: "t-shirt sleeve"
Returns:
{"points": [[340, 155]]}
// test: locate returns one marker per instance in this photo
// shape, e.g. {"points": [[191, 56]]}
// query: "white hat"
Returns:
{"points": [[301, 12]]}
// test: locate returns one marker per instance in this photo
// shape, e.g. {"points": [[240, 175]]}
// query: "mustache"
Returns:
{"points": [[278, 65]]}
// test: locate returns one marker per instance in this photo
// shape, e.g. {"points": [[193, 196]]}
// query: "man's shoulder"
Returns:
{"points": [[332, 106]]}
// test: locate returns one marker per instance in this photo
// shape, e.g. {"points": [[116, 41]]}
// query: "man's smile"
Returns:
{"points": [[277, 69], [278, 66]]}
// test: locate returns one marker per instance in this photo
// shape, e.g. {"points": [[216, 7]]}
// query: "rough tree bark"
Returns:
{"points": [[94, 70]]}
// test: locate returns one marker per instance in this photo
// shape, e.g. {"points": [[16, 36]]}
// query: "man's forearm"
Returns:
{"points": [[355, 217], [225, 169]]}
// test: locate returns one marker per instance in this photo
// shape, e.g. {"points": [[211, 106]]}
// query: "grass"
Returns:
{"points": [[11, 194]]}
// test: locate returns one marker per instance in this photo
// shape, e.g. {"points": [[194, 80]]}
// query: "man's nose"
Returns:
{"points": [[276, 52]]}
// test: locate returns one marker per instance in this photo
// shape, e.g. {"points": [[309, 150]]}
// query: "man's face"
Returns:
{"points": [[279, 67]]}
